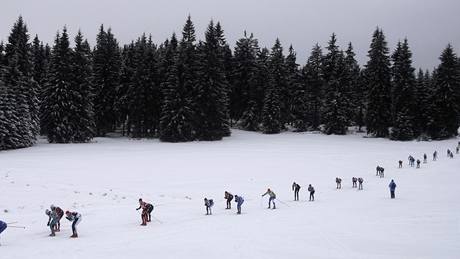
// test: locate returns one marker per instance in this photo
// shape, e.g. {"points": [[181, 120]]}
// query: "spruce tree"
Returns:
{"points": [[404, 99], [277, 68], [106, 66], [444, 113], [178, 115], [212, 89], [297, 93], [126, 75], [226, 58], [336, 103], [20, 107], [243, 104], [378, 81], [313, 80], [271, 113], [353, 89]]}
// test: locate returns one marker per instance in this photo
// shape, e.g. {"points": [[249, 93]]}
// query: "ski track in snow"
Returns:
{"points": [[104, 179]]}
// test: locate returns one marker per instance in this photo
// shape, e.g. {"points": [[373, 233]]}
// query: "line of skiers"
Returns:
{"points": [[54, 220], [412, 160], [354, 181]]}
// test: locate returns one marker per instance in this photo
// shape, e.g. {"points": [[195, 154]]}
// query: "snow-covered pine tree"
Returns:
{"points": [[423, 92], [40, 61], [243, 102], [22, 102], [445, 109], [143, 92], [404, 98], [178, 116], [126, 74], [297, 93], [336, 104], [271, 112], [2, 54], [277, 68], [314, 84], [353, 88], [212, 88], [82, 91], [106, 67], [378, 80]]}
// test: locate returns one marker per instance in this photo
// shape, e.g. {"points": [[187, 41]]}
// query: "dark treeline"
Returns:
{"points": [[185, 89]]}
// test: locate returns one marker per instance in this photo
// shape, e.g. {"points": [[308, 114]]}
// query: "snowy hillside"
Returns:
{"points": [[104, 180]]}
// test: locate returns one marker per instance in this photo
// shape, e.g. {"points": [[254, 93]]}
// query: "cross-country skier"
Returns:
{"points": [[435, 155], [60, 214], [451, 155], [360, 181], [3, 226], [457, 150], [448, 152], [147, 209], [400, 163], [418, 163], [229, 197], [382, 174], [338, 182], [272, 197], [75, 218], [354, 180], [52, 221], [208, 204], [239, 201], [425, 158], [312, 192], [392, 187], [296, 189]]}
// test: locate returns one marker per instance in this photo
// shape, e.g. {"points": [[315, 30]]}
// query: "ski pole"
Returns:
{"points": [[11, 222], [284, 203], [17, 227], [159, 221]]}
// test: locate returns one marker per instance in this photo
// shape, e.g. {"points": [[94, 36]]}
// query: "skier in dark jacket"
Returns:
{"points": [[75, 218], [435, 155], [392, 187], [3, 226], [272, 197], [312, 192], [457, 150], [400, 163], [360, 181], [208, 204], [338, 182], [239, 201], [229, 197], [425, 158], [418, 163], [354, 180], [296, 189]]}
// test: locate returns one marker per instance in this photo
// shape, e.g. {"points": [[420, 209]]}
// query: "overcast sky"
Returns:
{"points": [[428, 24]]}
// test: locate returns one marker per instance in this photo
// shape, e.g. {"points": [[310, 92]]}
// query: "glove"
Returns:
{"points": [[48, 224]]}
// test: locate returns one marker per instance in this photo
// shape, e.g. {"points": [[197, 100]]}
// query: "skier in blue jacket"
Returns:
{"points": [[239, 201], [392, 187], [3, 226]]}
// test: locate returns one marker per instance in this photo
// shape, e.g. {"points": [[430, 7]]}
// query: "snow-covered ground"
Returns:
{"points": [[104, 180]]}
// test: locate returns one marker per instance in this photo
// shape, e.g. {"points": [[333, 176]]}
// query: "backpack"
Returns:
{"points": [[211, 203]]}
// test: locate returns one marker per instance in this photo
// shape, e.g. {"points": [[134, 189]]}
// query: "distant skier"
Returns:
{"points": [[296, 189], [338, 181], [146, 215], [360, 181], [52, 221], [60, 214], [418, 163], [392, 187], [411, 161], [272, 197], [377, 171], [312, 192], [208, 204], [425, 158], [451, 155], [382, 174], [3, 226], [435, 155], [448, 152], [229, 197], [457, 149], [354, 180], [75, 218], [239, 201], [400, 163]]}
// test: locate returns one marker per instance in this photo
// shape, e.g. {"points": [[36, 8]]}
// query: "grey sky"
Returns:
{"points": [[428, 24]]}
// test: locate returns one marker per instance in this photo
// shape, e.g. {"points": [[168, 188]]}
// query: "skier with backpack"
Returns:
{"points": [[75, 218], [296, 189], [312, 192], [239, 201], [229, 197], [272, 197], [208, 204], [52, 221], [59, 214], [146, 214]]}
